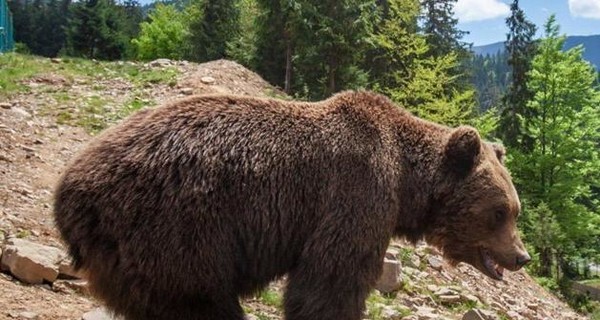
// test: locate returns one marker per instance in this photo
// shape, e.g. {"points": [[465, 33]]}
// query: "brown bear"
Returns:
{"points": [[179, 211]]}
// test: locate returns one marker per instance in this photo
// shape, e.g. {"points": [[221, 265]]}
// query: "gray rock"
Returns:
{"points": [[31, 262], [160, 63], [479, 314], [449, 299], [469, 298], [186, 91], [390, 279], [207, 80], [426, 313], [435, 262], [445, 291], [19, 112], [473, 314], [99, 314], [28, 315], [414, 261], [66, 286]]}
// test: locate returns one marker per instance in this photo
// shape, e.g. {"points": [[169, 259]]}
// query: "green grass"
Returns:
{"points": [[15, 68], [271, 298], [69, 108], [376, 304]]}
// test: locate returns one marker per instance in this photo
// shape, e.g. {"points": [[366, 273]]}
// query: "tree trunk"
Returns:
{"points": [[331, 75], [545, 263], [288, 64]]}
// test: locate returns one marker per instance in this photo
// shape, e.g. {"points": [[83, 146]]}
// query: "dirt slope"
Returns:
{"points": [[54, 113]]}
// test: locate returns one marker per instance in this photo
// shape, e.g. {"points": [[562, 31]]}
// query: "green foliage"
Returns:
{"points": [[521, 48], [271, 298], [163, 35], [406, 72], [486, 123], [242, 47], [276, 23], [490, 77], [557, 174], [95, 30], [329, 39], [211, 30], [440, 28], [16, 67], [33, 20]]}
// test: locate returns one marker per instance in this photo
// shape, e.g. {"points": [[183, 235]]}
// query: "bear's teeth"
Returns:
{"points": [[499, 270]]}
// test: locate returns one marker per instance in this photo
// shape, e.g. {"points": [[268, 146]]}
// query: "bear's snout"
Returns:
{"points": [[522, 260]]}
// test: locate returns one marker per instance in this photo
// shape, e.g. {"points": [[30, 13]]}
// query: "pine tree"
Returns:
{"points": [[329, 43], [274, 43], [521, 47], [243, 47], [95, 30], [557, 173], [211, 30], [409, 75], [440, 28]]}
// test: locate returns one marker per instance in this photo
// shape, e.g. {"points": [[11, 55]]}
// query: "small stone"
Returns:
{"points": [[99, 314], [449, 299], [435, 262], [390, 313], [409, 271], [390, 279], [533, 306], [207, 80], [445, 291], [426, 313], [414, 261], [250, 316], [5, 105], [469, 298], [28, 315], [160, 63], [80, 286], [513, 315], [474, 314], [56, 60], [19, 112], [186, 91], [31, 262]]}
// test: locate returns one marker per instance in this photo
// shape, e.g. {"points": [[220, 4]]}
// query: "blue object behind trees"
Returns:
{"points": [[7, 41]]}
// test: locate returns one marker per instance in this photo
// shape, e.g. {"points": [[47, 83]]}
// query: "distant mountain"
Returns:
{"points": [[591, 45]]}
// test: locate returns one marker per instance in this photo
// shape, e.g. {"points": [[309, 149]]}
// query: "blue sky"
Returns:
{"points": [[484, 19]]}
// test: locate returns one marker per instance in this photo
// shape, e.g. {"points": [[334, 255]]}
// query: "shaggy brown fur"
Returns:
{"points": [[178, 211]]}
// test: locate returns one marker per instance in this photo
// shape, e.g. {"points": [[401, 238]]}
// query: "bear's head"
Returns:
{"points": [[477, 206]]}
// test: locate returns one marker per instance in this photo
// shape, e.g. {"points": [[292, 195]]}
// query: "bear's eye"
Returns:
{"points": [[500, 214]]}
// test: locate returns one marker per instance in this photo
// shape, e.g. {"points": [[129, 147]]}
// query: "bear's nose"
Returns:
{"points": [[523, 259]]}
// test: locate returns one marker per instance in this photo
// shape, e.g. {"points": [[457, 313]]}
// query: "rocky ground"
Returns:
{"points": [[55, 106]]}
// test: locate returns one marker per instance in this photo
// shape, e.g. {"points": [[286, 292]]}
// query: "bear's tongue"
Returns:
{"points": [[491, 265]]}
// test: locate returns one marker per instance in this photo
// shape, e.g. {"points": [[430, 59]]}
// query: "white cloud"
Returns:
{"points": [[585, 8], [477, 10]]}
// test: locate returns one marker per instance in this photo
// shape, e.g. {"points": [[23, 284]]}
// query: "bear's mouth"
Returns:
{"points": [[491, 267]]}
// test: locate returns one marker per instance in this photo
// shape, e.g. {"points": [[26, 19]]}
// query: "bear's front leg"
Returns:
{"points": [[333, 279]]}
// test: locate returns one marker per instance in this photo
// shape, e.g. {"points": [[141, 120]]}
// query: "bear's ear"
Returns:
{"points": [[463, 148], [499, 151]]}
